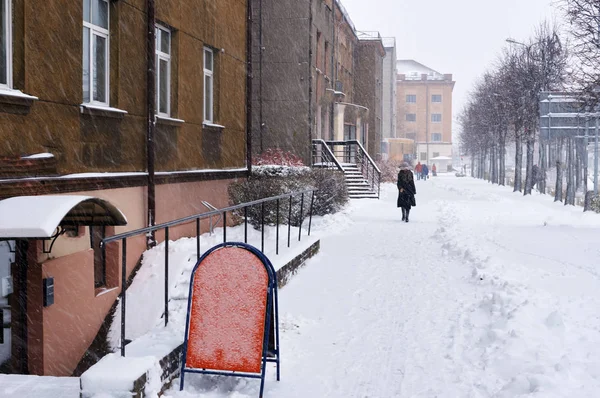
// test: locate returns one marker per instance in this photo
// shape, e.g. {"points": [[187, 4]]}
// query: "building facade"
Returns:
{"points": [[74, 119], [424, 109], [369, 89], [304, 76], [390, 75]]}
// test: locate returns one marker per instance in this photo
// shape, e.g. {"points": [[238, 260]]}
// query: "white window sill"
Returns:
{"points": [[9, 92], [209, 124], [161, 119], [15, 101], [100, 110]]}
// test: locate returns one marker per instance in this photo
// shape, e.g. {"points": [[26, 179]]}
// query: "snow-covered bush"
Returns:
{"points": [[594, 202], [268, 181], [389, 170]]}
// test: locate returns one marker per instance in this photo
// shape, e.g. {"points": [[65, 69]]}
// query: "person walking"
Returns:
{"points": [[406, 190], [434, 170], [418, 170], [425, 172]]}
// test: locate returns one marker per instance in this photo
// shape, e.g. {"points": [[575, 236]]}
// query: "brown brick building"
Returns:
{"points": [[74, 94]]}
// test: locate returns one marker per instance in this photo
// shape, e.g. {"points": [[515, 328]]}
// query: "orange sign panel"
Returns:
{"points": [[227, 314]]}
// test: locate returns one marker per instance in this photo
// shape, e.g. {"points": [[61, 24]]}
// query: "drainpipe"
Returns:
{"points": [[151, 99], [249, 87], [333, 71], [310, 78], [260, 86]]}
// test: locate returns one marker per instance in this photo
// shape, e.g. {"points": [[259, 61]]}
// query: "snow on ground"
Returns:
{"points": [[483, 294]]}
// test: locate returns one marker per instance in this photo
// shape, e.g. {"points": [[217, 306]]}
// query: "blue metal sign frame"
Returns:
{"points": [[272, 305]]}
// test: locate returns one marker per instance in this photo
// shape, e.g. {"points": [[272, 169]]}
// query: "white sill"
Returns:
{"points": [[102, 108], [209, 124], [170, 119], [16, 93]]}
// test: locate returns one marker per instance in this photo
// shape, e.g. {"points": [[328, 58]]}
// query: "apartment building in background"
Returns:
{"points": [[424, 111]]}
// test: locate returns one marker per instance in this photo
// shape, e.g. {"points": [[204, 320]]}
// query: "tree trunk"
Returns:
{"points": [[542, 176], [578, 168], [569, 171], [503, 159], [529, 166], [518, 164], [558, 195], [472, 166]]}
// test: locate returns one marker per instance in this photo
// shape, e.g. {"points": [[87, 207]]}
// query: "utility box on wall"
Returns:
{"points": [[48, 291]]}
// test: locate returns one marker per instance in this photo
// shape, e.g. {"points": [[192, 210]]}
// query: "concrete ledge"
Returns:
{"points": [[154, 360]]}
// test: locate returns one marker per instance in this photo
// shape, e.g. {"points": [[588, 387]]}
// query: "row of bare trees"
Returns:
{"points": [[503, 108]]}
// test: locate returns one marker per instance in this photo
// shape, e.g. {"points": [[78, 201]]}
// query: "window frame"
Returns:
{"points": [[411, 120], [160, 55], [436, 96], [436, 121], [436, 135], [409, 97], [7, 5], [211, 74], [96, 30]]}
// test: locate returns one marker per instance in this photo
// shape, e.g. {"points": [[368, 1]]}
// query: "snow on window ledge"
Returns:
{"points": [[213, 125], [38, 156], [15, 101], [162, 119], [102, 110]]}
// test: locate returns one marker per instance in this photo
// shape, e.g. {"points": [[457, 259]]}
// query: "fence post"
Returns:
{"points": [[277, 231], [123, 292], [246, 224], [166, 276], [290, 221], [224, 227], [301, 217], [262, 227], [197, 239], [312, 201]]}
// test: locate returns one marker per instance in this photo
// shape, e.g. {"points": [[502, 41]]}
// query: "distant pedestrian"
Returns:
{"points": [[406, 190], [434, 170], [419, 170], [425, 172]]}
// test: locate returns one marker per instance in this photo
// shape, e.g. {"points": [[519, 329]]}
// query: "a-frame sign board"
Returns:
{"points": [[233, 297]]}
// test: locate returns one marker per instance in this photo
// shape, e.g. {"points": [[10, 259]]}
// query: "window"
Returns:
{"points": [[436, 98], [411, 136], [411, 99], [436, 117], [411, 117], [436, 155], [423, 156], [163, 71], [95, 51], [208, 85], [5, 44], [436, 137]]}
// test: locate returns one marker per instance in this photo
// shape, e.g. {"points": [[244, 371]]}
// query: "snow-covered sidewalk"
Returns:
{"points": [[483, 294]]}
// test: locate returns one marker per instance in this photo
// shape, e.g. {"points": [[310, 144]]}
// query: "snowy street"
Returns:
{"points": [[484, 293]]}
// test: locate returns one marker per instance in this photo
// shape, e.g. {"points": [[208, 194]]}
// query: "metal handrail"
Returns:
{"points": [[356, 152], [197, 218], [330, 155]]}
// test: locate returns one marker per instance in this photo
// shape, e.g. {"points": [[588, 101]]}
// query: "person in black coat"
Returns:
{"points": [[406, 190]]}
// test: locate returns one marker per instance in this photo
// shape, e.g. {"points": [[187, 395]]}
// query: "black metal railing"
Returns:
{"points": [[353, 153], [323, 157], [295, 218]]}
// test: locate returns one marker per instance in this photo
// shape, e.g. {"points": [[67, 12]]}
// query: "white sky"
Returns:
{"points": [[462, 37]]}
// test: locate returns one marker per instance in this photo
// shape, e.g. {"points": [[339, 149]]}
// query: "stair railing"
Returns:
{"points": [[322, 156], [367, 166]]}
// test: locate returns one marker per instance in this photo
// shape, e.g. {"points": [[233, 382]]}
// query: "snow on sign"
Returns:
{"points": [[232, 293]]}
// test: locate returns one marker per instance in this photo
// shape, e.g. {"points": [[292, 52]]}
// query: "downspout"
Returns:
{"points": [[310, 80], [249, 87], [260, 87], [151, 99], [333, 71]]}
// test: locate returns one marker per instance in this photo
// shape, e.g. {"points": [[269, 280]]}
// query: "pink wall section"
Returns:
{"points": [[72, 322]]}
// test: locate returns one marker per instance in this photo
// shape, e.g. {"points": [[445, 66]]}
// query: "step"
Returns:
{"points": [[372, 196]]}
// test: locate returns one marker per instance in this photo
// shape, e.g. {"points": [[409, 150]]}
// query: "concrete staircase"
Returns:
{"points": [[358, 186]]}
